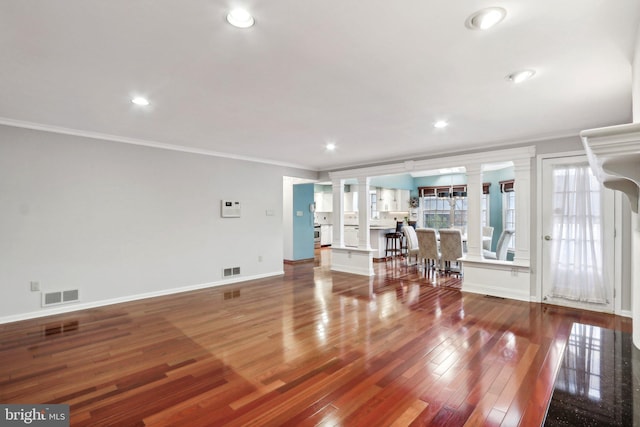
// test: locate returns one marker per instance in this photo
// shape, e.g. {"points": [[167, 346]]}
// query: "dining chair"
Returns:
{"points": [[487, 236], [413, 249], [501, 247], [428, 244], [451, 249]]}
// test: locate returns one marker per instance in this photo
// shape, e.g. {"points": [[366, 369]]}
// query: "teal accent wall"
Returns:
{"points": [[401, 182], [431, 181], [302, 225]]}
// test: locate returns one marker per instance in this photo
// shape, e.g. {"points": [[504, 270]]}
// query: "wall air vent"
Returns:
{"points": [[231, 271], [60, 297]]}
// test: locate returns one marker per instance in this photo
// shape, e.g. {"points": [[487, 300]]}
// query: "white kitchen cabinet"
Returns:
{"points": [[392, 200], [402, 200], [351, 236], [317, 199], [323, 201], [326, 234], [327, 202], [385, 198]]}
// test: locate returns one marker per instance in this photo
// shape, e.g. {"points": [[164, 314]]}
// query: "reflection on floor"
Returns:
{"points": [[598, 383]]}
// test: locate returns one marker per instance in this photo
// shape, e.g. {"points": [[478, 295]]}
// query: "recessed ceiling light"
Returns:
{"points": [[485, 18], [520, 76], [331, 146], [140, 101], [240, 18], [441, 124]]}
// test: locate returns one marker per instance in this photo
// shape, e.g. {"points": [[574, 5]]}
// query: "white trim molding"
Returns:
{"points": [[143, 142], [497, 278], [77, 307]]}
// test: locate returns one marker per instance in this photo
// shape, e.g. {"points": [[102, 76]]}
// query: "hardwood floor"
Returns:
{"points": [[313, 347]]}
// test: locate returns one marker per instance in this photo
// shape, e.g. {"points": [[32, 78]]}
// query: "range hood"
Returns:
{"points": [[614, 156]]}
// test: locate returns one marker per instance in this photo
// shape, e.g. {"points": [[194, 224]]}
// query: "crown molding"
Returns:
{"points": [[146, 143]]}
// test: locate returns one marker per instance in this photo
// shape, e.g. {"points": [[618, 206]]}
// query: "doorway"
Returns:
{"points": [[577, 236]]}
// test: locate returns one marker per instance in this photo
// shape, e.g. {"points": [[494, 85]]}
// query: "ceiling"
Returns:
{"points": [[372, 76]]}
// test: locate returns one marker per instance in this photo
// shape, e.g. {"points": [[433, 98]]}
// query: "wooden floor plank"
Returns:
{"points": [[312, 347]]}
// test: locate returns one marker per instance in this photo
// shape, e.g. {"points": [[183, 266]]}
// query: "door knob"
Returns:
{"points": [[547, 237]]}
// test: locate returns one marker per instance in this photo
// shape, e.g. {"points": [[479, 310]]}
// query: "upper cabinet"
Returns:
{"points": [[392, 200], [324, 202], [402, 198], [388, 200]]}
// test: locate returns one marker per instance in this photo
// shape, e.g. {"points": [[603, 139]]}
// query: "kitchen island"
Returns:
{"points": [[376, 239]]}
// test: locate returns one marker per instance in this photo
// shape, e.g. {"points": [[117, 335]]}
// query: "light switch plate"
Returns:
{"points": [[299, 213]]}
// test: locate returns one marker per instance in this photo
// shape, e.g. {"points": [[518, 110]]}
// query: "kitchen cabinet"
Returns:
{"points": [[327, 199], [323, 201], [326, 234], [392, 200], [402, 200], [351, 236], [317, 199]]}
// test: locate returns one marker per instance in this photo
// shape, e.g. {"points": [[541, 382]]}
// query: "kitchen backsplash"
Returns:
{"points": [[386, 219], [323, 218]]}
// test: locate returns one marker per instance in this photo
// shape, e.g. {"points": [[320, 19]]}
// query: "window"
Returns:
{"points": [[459, 209], [509, 209], [437, 212], [444, 207]]}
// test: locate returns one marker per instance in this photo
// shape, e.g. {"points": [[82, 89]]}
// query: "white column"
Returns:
{"points": [[474, 212], [338, 213], [522, 188], [364, 213]]}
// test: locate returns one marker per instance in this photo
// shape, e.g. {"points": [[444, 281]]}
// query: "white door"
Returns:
{"points": [[577, 236]]}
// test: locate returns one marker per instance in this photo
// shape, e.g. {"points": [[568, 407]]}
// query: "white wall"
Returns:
{"points": [[120, 221], [287, 216]]}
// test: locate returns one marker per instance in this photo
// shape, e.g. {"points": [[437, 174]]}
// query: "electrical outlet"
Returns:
{"points": [[35, 286]]}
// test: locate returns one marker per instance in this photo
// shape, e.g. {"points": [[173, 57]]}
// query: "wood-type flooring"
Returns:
{"points": [[312, 347]]}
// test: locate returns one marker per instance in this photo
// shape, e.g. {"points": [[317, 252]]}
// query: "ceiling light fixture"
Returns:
{"points": [[331, 146], [240, 18], [441, 124], [485, 18], [138, 100], [520, 76]]}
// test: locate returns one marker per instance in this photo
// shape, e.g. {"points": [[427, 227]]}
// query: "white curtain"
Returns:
{"points": [[576, 250]]}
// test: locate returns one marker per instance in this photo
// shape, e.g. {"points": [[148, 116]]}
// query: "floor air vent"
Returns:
{"points": [[59, 297], [231, 271]]}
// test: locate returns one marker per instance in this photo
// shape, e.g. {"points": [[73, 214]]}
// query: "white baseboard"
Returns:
{"points": [[84, 306], [495, 291]]}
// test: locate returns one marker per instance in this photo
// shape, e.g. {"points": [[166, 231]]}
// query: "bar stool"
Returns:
{"points": [[393, 244]]}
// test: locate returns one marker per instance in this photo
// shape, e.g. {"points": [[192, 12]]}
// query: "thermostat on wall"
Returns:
{"points": [[229, 209]]}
